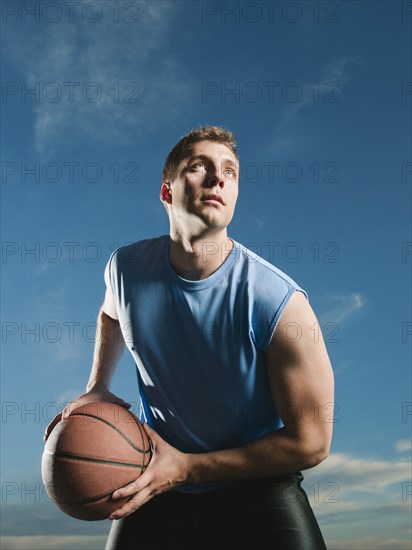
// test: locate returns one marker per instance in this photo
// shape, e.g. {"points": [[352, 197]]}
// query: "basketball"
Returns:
{"points": [[99, 448]]}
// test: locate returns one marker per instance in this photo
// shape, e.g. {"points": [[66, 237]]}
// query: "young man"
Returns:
{"points": [[232, 382]]}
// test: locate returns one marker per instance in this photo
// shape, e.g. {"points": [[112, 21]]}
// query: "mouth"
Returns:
{"points": [[213, 199]]}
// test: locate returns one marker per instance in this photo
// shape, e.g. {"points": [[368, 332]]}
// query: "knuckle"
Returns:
{"points": [[134, 487]]}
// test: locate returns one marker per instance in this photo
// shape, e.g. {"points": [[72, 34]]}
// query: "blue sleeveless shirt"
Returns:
{"points": [[199, 345]]}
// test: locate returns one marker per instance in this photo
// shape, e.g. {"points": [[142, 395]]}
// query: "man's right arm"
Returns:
{"points": [[109, 344], [108, 349]]}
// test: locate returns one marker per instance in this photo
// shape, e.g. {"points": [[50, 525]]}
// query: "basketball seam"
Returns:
{"points": [[144, 451], [95, 498], [98, 460]]}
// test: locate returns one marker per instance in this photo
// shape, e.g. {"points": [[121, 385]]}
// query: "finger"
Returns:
{"points": [[69, 409], [52, 424], [130, 506], [126, 491]]}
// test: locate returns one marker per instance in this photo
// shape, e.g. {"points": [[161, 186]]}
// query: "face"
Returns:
{"points": [[205, 189]]}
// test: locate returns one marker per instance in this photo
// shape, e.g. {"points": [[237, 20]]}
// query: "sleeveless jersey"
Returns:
{"points": [[199, 345]]}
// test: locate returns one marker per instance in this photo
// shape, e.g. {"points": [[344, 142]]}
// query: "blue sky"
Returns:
{"points": [[319, 95]]}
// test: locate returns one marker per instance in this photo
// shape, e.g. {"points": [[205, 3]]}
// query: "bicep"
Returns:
{"points": [[109, 305], [300, 374]]}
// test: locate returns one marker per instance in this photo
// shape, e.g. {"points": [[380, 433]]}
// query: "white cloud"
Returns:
{"points": [[357, 501], [367, 494], [370, 543], [403, 445], [365, 475], [94, 542], [66, 542], [90, 542]]}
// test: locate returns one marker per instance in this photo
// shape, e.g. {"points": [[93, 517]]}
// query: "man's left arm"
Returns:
{"points": [[301, 379], [302, 385]]}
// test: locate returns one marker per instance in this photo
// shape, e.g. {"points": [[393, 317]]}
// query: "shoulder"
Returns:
{"points": [[267, 276], [137, 251]]}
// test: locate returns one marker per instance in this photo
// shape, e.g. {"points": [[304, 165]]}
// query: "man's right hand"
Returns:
{"points": [[95, 395]]}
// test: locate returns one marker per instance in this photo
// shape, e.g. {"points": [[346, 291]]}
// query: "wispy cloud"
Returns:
{"points": [[329, 86], [52, 303], [126, 66], [61, 352], [58, 336], [258, 222], [331, 82], [69, 394], [340, 306]]}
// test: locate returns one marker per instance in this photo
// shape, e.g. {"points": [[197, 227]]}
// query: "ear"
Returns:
{"points": [[166, 192]]}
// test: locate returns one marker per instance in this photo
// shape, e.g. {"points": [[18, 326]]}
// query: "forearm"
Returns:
{"points": [[108, 349], [274, 454]]}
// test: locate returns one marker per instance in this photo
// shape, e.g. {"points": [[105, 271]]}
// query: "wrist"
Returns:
{"points": [[196, 468], [96, 386]]}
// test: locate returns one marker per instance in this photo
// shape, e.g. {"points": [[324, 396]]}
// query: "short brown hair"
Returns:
{"points": [[183, 148]]}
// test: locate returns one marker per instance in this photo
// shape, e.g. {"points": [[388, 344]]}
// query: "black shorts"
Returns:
{"points": [[268, 513]]}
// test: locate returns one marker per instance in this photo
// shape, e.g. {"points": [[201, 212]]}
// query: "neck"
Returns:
{"points": [[197, 257]]}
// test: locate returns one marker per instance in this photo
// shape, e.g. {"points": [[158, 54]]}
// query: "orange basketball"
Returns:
{"points": [[99, 448]]}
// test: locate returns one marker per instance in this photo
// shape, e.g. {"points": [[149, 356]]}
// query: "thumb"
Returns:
{"points": [[51, 425], [150, 432], [124, 403], [151, 436], [69, 408]]}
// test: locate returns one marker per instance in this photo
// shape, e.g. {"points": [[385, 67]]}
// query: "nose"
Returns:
{"points": [[216, 176]]}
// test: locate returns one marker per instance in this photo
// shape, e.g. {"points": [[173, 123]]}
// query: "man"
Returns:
{"points": [[232, 382]]}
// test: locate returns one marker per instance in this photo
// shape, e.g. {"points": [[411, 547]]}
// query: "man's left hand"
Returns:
{"points": [[168, 468]]}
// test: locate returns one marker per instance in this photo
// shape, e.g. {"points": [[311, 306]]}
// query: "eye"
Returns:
{"points": [[197, 165], [231, 173], [229, 169]]}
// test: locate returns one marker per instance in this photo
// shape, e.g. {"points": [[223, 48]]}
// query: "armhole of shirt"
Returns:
{"points": [[108, 268], [109, 282], [272, 327]]}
